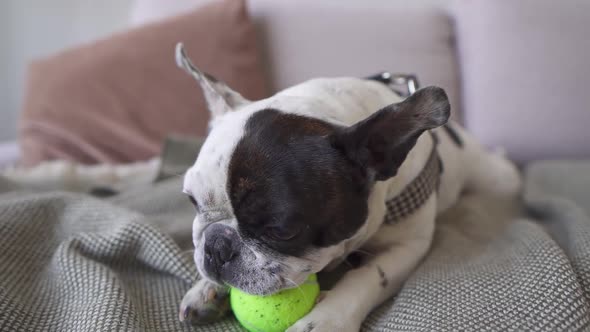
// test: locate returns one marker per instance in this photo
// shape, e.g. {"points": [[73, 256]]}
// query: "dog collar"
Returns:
{"points": [[417, 192]]}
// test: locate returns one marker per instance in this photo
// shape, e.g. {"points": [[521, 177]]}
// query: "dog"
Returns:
{"points": [[292, 184]]}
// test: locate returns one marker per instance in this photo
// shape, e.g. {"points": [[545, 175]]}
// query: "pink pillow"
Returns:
{"points": [[525, 75], [115, 100]]}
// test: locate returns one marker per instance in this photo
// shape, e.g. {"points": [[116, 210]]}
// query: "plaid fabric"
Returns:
{"points": [[74, 263], [417, 192], [69, 262]]}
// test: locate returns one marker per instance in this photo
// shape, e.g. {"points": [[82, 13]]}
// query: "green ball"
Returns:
{"points": [[274, 313]]}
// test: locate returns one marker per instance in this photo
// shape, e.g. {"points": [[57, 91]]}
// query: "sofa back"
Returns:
{"points": [[515, 71], [304, 39]]}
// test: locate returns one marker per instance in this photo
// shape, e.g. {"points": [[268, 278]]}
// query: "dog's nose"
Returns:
{"points": [[221, 247], [222, 250]]}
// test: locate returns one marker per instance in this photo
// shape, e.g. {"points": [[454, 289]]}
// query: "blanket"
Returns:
{"points": [[72, 262]]}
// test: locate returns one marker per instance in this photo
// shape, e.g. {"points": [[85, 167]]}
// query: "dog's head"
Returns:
{"points": [[278, 195]]}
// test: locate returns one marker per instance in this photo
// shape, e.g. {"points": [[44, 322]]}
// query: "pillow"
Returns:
{"points": [[525, 75], [115, 100]]}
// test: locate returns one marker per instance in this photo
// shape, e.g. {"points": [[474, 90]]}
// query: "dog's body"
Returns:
{"points": [[292, 184]]}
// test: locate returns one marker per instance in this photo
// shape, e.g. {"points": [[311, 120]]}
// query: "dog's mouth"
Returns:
{"points": [[249, 275], [282, 283], [251, 268], [259, 285]]}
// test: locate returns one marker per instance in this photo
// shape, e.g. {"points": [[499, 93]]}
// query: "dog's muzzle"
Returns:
{"points": [[220, 249]]}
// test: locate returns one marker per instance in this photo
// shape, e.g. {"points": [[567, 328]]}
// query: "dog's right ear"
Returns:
{"points": [[379, 144], [220, 97]]}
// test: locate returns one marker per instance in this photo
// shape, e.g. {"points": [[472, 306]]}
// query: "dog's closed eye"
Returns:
{"points": [[282, 233], [194, 202]]}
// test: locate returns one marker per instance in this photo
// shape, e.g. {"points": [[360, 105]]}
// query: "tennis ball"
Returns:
{"points": [[274, 313]]}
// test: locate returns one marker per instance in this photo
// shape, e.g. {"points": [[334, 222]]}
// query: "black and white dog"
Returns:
{"points": [[290, 185]]}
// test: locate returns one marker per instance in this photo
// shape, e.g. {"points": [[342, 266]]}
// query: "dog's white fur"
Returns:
{"points": [[397, 248]]}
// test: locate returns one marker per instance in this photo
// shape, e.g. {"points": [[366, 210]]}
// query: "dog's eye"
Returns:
{"points": [[282, 233], [194, 202]]}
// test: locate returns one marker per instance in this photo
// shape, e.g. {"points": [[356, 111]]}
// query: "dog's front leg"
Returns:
{"points": [[205, 302], [398, 250]]}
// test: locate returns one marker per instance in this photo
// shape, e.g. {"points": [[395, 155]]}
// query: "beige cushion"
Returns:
{"points": [[309, 38], [116, 99]]}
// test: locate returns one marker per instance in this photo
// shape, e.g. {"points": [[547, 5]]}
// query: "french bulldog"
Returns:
{"points": [[292, 184]]}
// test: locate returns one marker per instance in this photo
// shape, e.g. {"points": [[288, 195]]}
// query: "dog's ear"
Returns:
{"points": [[380, 143], [220, 97]]}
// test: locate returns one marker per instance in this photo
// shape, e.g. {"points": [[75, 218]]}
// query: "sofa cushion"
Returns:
{"points": [[525, 74], [115, 100]]}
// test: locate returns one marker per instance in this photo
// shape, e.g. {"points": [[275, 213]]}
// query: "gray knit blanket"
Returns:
{"points": [[72, 262]]}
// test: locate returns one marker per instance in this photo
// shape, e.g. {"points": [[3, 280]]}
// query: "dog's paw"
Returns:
{"points": [[322, 319], [205, 302], [321, 325]]}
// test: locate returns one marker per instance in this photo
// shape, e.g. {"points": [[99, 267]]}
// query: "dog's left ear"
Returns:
{"points": [[220, 97], [380, 143]]}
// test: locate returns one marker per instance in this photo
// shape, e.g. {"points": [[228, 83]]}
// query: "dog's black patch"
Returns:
{"points": [[290, 189], [380, 143], [298, 183], [381, 273], [355, 259], [453, 134], [103, 192], [309, 327]]}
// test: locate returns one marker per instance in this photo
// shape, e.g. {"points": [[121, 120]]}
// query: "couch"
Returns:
{"points": [[510, 70], [516, 74]]}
